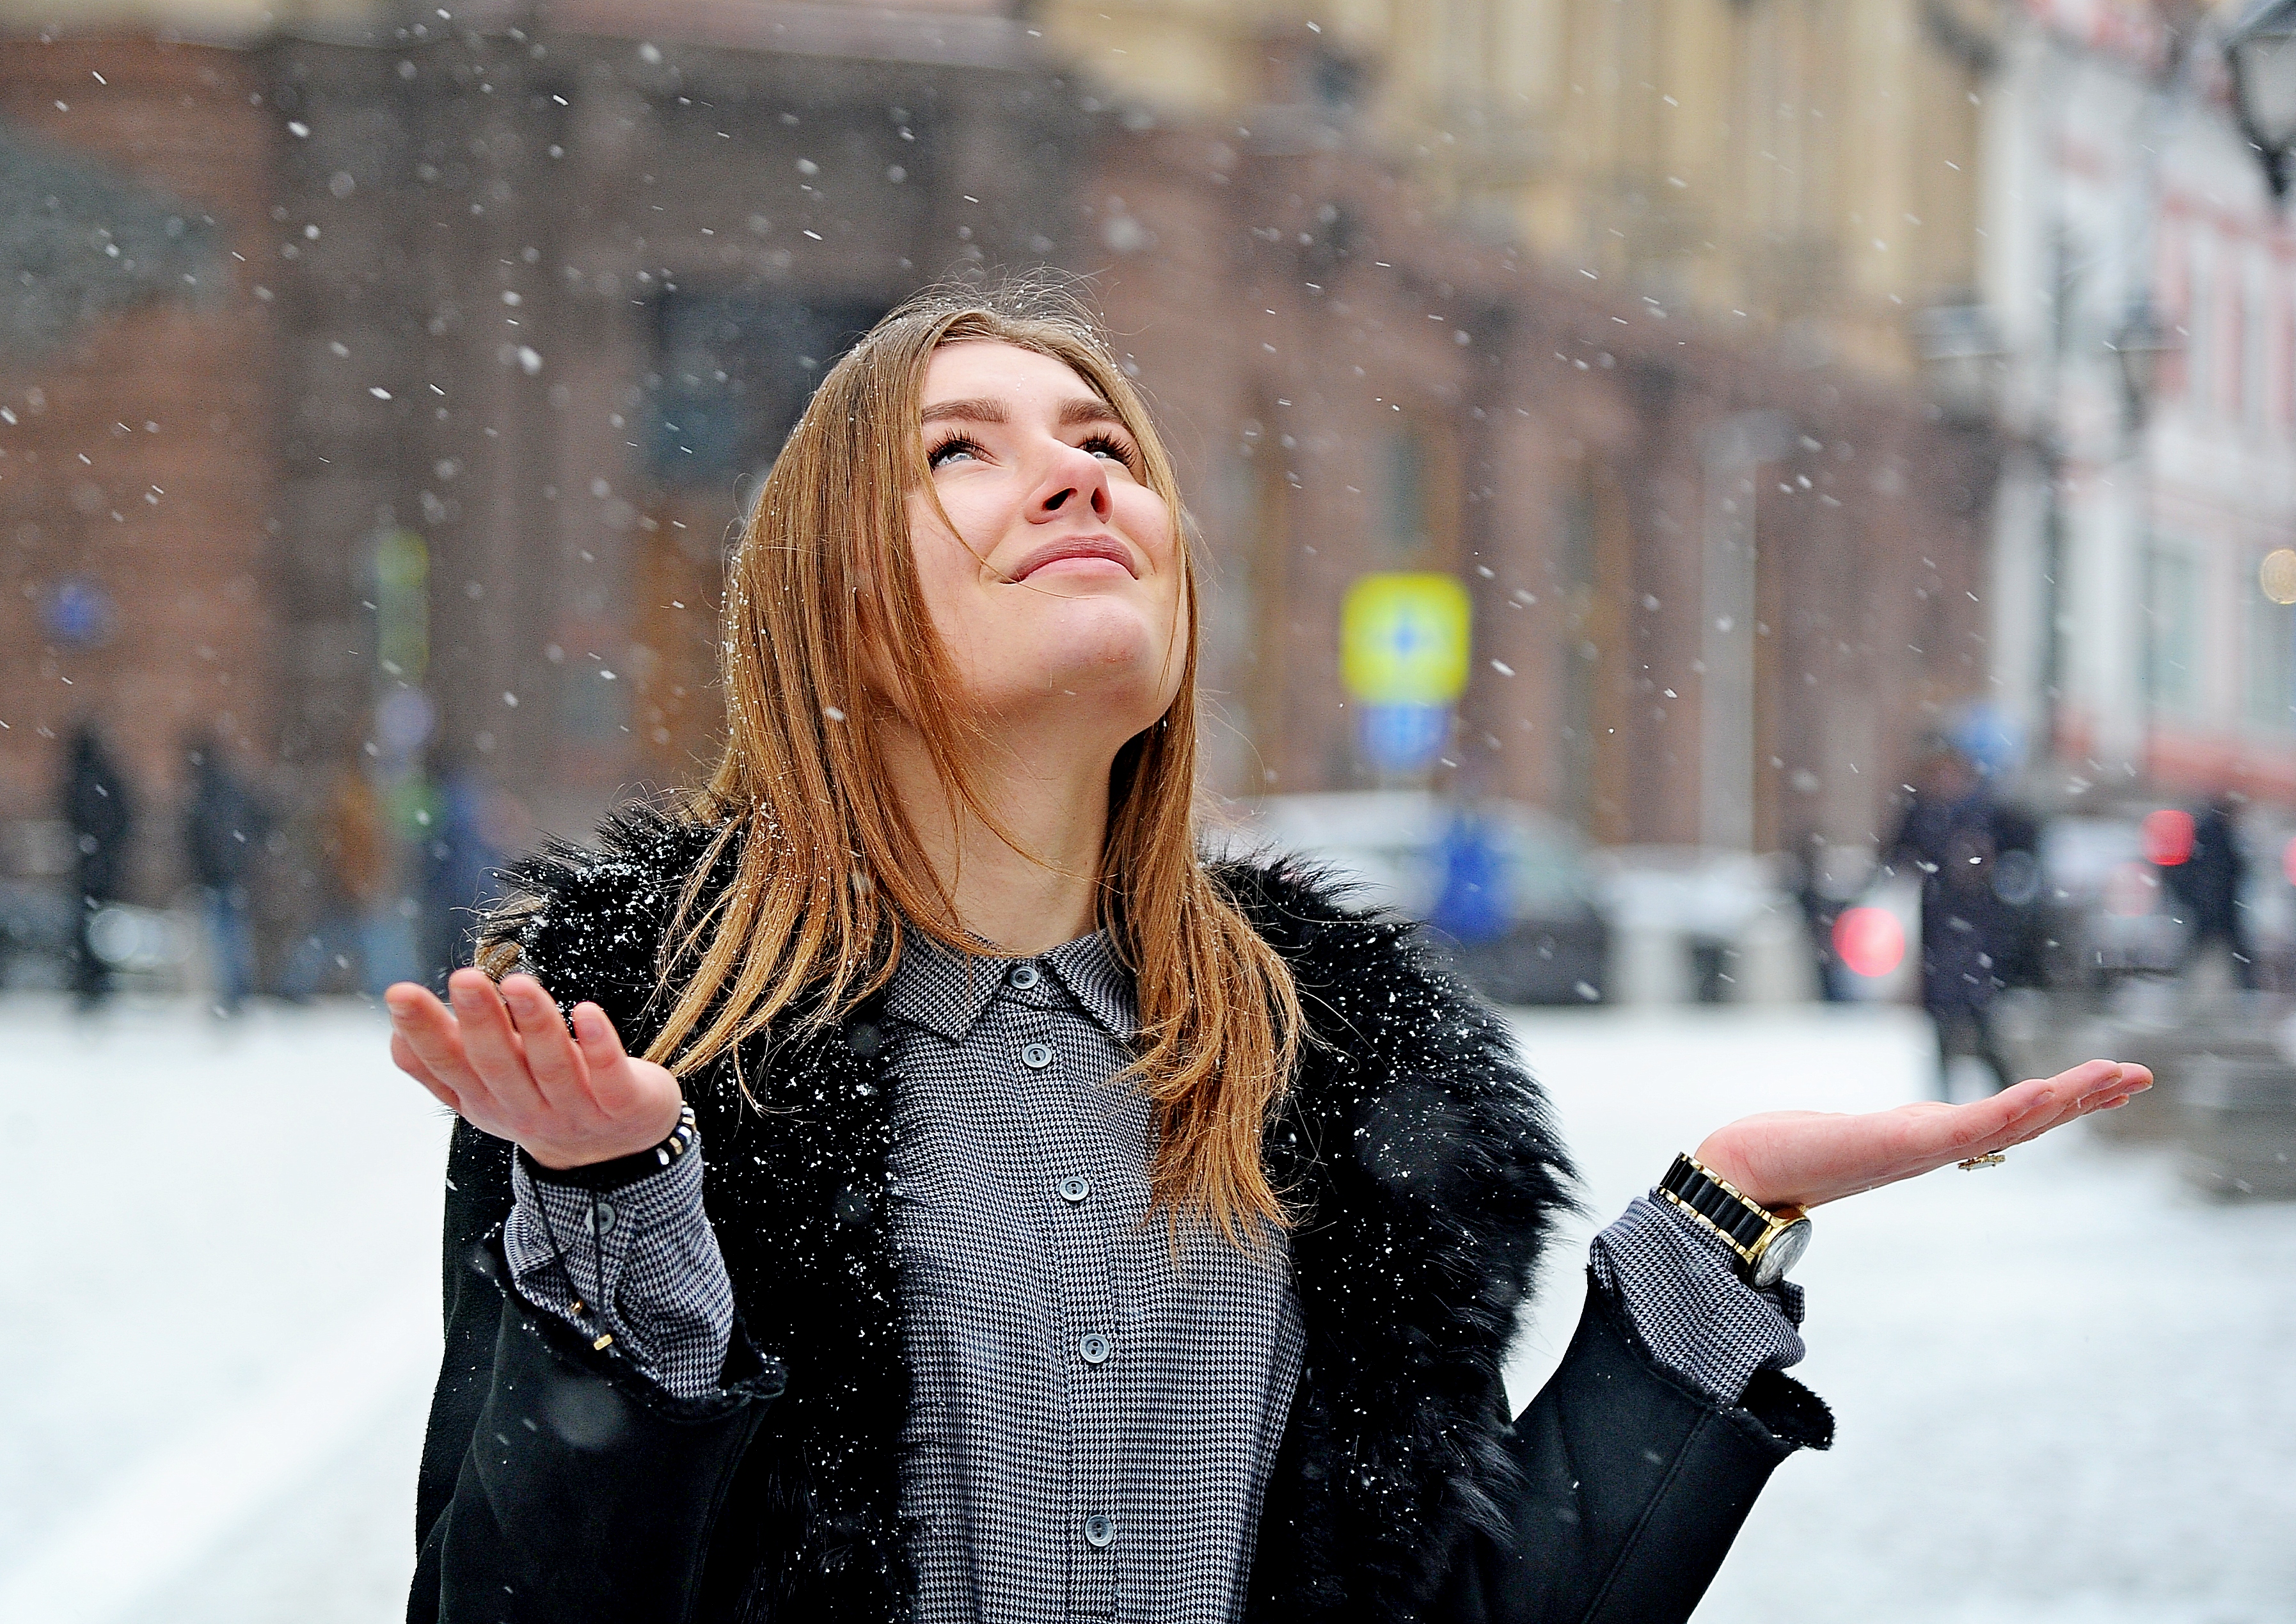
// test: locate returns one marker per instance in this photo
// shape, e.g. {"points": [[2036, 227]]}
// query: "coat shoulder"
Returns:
{"points": [[1423, 1166], [591, 922], [1366, 978]]}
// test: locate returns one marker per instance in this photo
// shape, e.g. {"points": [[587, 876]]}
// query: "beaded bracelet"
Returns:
{"points": [[622, 1170]]}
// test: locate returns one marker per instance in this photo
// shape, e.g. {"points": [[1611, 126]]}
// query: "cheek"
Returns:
{"points": [[945, 569]]}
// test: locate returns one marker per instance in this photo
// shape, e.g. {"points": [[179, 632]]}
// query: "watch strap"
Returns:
{"points": [[1718, 1204]]}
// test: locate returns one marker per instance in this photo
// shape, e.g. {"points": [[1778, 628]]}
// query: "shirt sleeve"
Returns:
{"points": [[1687, 1302], [637, 1264]]}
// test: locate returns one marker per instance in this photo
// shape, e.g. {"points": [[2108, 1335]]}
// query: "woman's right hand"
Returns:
{"points": [[502, 1059]]}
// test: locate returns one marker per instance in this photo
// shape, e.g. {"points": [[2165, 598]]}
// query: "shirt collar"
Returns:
{"points": [[945, 991], [1096, 978]]}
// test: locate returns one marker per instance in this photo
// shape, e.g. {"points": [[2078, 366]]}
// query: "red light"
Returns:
{"points": [[2167, 837], [1869, 940]]}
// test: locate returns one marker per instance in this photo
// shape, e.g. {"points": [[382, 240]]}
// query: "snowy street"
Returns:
{"points": [[2062, 1385]]}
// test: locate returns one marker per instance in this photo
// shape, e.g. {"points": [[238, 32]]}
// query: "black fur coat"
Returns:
{"points": [[1421, 1154]]}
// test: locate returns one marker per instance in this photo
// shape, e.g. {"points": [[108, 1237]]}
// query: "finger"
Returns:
{"points": [[555, 1064], [610, 1077], [2094, 1086], [431, 1032], [491, 1042], [403, 1057]]}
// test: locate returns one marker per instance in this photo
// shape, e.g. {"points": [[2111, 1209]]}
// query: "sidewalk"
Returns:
{"points": [[2064, 1385]]}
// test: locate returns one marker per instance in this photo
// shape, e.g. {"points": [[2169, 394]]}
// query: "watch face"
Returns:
{"points": [[1783, 1251]]}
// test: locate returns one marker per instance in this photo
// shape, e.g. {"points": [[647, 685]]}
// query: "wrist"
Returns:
{"points": [[1717, 1158], [1767, 1240], [596, 1167]]}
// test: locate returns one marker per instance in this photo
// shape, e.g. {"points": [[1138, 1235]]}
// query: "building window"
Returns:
{"points": [[1404, 517], [2284, 357], [2271, 647], [2172, 612], [734, 370], [1418, 494], [2258, 363]]}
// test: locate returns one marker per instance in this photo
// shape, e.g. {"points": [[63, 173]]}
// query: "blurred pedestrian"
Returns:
{"points": [[467, 845], [2208, 884], [353, 876], [101, 810], [1955, 834], [224, 829]]}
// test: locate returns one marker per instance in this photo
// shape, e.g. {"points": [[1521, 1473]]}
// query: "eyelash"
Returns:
{"points": [[1108, 443]]}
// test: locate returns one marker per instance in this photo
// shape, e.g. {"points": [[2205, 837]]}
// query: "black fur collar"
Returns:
{"points": [[1417, 1151]]}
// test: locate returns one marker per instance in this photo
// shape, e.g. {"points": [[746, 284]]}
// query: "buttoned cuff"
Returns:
{"points": [[1677, 1285], [636, 1264]]}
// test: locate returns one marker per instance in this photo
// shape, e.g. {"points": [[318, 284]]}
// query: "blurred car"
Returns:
{"points": [[1695, 925], [1504, 890], [2106, 914]]}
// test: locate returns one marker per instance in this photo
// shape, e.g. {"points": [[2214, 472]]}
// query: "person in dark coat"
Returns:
{"points": [[224, 829], [100, 809], [1088, 1228], [2207, 886], [1965, 844]]}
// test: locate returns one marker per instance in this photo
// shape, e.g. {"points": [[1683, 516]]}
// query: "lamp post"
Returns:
{"points": [[2137, 347], [2262, 52]]}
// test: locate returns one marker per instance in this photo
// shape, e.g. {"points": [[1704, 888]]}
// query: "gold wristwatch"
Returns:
{"points": [[1767, 1240]]}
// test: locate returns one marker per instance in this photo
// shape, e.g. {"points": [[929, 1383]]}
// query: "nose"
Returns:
{"points": [[1074, 481]]}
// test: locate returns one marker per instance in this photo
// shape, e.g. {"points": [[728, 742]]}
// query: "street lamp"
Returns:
{"points": [[2139, 347], [2261, 50]]}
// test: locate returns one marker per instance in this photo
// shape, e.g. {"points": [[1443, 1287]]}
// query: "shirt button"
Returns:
{"points": [[1037, 1056], [1100, 1531], [1095, 1349], [1025, 976], [1075, 1189], [602, 1217]]}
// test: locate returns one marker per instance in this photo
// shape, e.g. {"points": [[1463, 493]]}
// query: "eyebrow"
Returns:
{"points": [[1075, 409]]}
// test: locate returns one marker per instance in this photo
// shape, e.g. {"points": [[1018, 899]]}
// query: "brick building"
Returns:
{"points": [[490, 331]]}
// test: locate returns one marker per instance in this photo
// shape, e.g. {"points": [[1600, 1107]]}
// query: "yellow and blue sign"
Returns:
{"points": [[1404, 639]]}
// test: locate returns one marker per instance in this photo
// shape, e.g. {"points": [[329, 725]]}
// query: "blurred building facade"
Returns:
{"points": [[451, 348], [1808, 175], [2133, 633]]}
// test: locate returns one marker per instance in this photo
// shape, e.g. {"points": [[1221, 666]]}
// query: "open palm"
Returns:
{"points": [[503, 1060], [1806, 1156]]}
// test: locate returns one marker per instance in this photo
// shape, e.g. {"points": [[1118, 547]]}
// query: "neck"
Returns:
{"points": [[1050, 794]]}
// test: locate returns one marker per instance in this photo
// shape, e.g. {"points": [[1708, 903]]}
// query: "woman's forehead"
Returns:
{"points": [[984, 368]]}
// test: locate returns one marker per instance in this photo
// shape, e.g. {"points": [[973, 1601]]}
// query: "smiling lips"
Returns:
{"points": [[1076, 546]]}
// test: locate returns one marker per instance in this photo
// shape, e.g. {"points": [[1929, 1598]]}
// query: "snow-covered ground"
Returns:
{"points": [[2066, 1386]]}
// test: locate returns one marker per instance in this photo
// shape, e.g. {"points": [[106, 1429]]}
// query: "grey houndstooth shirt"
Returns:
{"points": [[1096, 1402]]}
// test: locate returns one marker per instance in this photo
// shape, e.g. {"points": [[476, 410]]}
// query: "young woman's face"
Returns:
{"points": [[1059, 592]]}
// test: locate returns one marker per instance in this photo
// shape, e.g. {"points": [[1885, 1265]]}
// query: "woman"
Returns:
{"points": [[1087, 1231]]}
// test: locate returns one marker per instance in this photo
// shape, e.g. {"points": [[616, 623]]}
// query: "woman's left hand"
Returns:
{"points": [[1806, 1157]]}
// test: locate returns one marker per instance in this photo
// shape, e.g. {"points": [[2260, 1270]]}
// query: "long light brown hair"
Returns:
{"points": [[827, 870]]}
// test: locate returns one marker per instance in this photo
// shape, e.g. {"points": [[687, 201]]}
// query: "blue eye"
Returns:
{"points": [[1111, 447], [949, 449]]}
